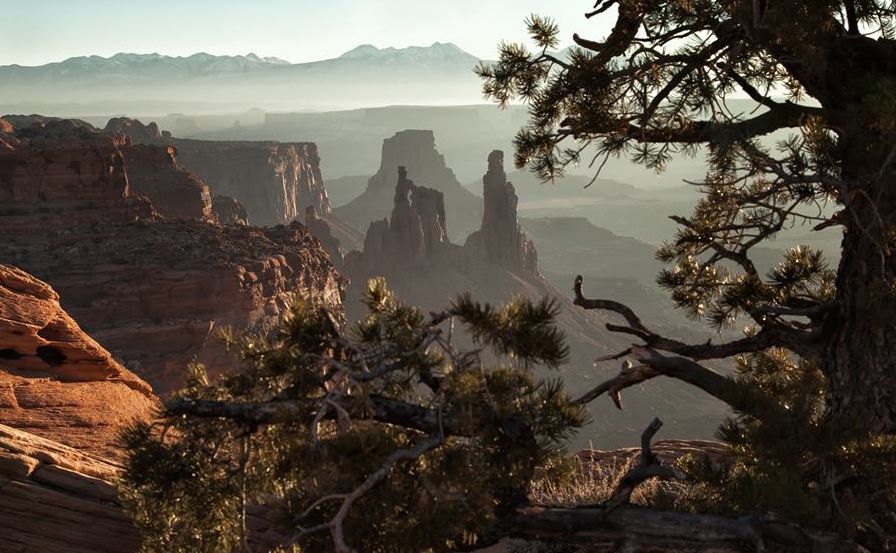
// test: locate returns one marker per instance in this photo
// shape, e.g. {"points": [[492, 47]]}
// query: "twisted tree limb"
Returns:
{"points": [[649, 466], [652, 364], [381, 409], [769, 336]]}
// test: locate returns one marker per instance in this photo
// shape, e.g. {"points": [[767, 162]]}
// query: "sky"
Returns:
{"points": [[43, 31]]}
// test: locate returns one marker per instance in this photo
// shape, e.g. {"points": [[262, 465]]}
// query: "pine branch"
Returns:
{"points": [[768, 337], [741, 397], [279, 412]]}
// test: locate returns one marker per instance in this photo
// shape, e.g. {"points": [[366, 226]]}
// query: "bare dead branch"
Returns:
{"points": [[648, 466], [636, 528], [628, 376]]}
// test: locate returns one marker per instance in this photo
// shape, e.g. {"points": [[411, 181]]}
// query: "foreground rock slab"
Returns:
{"points": [[56, 499], [55, 380]]}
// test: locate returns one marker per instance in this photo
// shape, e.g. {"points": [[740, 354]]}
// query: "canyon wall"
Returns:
{"points": [[152, 290], [153, 172], [276, 182], [415, 150]]}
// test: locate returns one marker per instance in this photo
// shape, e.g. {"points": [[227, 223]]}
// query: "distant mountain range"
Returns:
{"points": [[441, 73]]}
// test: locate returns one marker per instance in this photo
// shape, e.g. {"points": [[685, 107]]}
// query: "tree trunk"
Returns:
{"points": [[860, 356]]}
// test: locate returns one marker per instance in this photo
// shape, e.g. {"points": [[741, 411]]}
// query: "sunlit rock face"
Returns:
{"points": [[275, 181], [153, 290], [500, 239], [416, 151], [61, 499], [55, 380]]}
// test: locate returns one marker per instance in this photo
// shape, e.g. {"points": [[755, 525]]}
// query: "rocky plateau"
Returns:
{"points": [[152, 289]]}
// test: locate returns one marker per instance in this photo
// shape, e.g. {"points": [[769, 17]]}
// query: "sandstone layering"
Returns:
{"points": [[275, 181], [56, 499], [153, 290], [57, 382]]}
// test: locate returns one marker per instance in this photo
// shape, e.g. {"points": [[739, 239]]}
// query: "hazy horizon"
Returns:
{"points": [[294, 31]]}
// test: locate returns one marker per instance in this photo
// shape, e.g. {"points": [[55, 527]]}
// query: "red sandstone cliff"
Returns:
{"points": [[56, 499], [153, 172], [153, 291], [275, 181]]}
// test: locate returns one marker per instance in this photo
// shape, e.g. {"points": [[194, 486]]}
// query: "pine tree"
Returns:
{"points": [[385, 437], [815, 391]]}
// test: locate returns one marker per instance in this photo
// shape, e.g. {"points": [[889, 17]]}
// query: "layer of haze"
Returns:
{"points": [[294, 30]]}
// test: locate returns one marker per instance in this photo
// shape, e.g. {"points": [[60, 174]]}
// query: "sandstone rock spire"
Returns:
{"points": [[500, 240], [415, 231], [416, 151]]}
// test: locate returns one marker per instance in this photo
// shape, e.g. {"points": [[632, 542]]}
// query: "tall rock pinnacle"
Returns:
{"points": [[500, 239], [416, 151]]}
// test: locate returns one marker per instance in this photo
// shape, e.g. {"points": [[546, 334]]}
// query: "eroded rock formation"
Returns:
{"points": [[414, 233], [497, 263], [56, 499], [57, 382], [500, 239], [60, 172], [135, 130], [153, 172], [415, 150], [275, 181], [153, 291], [229, 211]]}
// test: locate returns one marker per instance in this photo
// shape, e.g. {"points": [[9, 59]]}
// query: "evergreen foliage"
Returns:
{"points": [[814, 388], [802, 466], [457, 441]]}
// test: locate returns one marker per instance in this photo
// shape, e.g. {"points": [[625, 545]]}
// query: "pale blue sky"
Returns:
{"points": [[41, 31]]}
